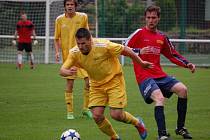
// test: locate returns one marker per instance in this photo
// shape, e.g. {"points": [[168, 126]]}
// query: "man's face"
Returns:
{"points": [[23, 17], [84, 45], [152, 20], [70, 7]]}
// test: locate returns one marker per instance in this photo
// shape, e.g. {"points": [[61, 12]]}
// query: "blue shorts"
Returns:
{"points": [[164, 84]]}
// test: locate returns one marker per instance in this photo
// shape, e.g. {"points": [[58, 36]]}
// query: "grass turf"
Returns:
{"points": [[32, 105]]}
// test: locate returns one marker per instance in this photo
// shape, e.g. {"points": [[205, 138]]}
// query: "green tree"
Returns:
{"points": [[119, 17], [168, 14], [134, 17]]}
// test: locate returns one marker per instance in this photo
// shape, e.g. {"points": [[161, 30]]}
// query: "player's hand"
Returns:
{"points": [[14, 42], [68, 72], [191, 66], [73, 70], [57, 57], [145, 50], [147, 64], [35, 42]]}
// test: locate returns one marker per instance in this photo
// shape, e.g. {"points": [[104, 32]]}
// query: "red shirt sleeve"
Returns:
{"points": [[133, 40], [170, 52]]}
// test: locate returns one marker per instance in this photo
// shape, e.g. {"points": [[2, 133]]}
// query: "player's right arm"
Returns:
{"points": [[68, 68], [68, 72]]}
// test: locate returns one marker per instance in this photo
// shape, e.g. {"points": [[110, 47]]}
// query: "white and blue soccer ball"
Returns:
{"points": [[70, 134]]}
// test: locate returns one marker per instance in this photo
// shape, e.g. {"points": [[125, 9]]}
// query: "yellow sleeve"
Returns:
{"points": [[86, 22], [115, 48], [57, 33], [70, 61]]}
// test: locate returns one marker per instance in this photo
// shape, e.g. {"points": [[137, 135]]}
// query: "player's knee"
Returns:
{"points": [[183, 92], [116, 116], [159, 101], [98, 118]]}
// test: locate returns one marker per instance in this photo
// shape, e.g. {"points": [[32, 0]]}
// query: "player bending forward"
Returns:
{"points": [[99, 58]]}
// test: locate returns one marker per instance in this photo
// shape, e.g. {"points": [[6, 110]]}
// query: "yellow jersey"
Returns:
{"points": [[101, 64], [66, 28]]}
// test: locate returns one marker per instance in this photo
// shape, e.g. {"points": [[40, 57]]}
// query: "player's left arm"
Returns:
{"points": [[170, 52], [86, 25], [191, 66], [34, 36]]}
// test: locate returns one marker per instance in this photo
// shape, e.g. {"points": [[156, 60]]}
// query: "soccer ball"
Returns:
{"points": [[70, 134]]}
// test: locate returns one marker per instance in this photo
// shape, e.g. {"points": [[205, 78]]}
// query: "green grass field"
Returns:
{"points": [[32, 105]]}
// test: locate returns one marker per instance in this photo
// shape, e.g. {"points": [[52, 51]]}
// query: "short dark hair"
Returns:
{"points": [[75, 2], [22, 12], [83, 33], [152, 8]]}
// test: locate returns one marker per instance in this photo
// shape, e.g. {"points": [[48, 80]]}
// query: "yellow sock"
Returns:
{"points": [[130, 119], [106, 127], [85, 99], [69, 101]]}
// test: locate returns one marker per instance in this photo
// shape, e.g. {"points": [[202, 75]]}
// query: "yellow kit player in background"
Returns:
{"points": [[66, 26], [99, 57]]}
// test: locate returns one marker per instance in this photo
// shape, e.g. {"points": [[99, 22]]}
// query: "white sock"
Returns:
{"points": [[19, 58]]}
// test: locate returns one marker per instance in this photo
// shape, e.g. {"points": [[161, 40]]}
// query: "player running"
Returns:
{"points": [[154, 84], [99, 58], [24, 31]]}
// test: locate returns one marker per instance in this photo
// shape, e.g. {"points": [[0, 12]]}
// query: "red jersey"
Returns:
{"points": [[24, 31], [158, 44]]}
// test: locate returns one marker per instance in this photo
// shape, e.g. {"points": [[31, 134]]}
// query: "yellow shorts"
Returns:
{"points": [[81, 73], [112, 94]]}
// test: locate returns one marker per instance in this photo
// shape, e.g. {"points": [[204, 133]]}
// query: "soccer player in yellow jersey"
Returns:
{"points": [[66, 26], [99, 57]]}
